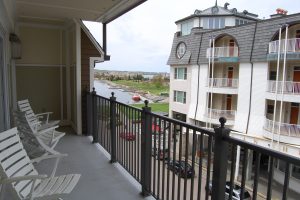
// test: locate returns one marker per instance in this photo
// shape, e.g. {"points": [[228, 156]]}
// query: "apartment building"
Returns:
{"points": [[247, 72]]}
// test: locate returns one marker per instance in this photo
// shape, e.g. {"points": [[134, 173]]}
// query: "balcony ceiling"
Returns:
{"points": [[64, 10]]}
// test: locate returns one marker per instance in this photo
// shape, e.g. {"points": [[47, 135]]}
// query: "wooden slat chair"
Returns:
{"points": [[36, 143], [17, 171], [40, 121]]}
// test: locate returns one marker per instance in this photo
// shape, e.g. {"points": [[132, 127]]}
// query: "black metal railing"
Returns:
{"points": [[175, 160]]}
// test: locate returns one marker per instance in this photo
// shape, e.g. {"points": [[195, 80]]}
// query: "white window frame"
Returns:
{"points": [[177, 99], [178, 73]]}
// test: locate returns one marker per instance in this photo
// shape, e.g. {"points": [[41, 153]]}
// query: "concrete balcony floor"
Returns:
{"points": [[99, 180]]}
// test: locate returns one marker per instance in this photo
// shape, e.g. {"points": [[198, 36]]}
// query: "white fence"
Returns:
{"points": [[285, 129], [216, 114], [293, 46], [289, 87], [221, 52], [223, 82]]}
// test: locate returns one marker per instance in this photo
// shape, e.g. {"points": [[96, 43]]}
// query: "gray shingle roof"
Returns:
{"points": [[244, 35]]}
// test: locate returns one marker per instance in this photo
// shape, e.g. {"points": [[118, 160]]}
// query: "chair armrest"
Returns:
{"points": [[45, 113], [39, 115], [47, 130], [22, 178], [58, 155]]}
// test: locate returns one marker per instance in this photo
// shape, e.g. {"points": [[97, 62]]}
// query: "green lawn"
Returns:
{"points": [[144, 86], [155, 107]]}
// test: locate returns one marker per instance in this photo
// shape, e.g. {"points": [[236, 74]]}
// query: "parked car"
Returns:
{"points": [[236, 192], [160, 153], [127, 136], [179, 168]]}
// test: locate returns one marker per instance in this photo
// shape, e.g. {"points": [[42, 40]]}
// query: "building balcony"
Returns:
{"points": [[213, 115], [290, 89], [223, 82], [287, 87], [284, 132], [292, 49], [223, 54]]}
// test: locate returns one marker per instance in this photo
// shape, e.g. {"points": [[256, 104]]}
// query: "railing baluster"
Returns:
{"points": [[270, 178], [244, 170], [286, 181], [200, 168], [256, 174], [232, 169], [180, 171], [186, 162], [194, 145], [173, 160], [208, 166]]}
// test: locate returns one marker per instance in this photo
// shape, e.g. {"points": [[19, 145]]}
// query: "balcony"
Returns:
{"points": [[292, 49], [223, 85], [289, 87], [99, 179], [216, 114], [223, 54], [288, 133]]}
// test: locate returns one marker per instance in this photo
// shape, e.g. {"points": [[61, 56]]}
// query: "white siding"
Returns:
{"points": [[257, 116], [243, 97]]}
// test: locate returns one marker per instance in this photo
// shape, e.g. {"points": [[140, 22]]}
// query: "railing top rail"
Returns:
{"points": [[184, 124], [129, 106], [264, 150], [285, 124], [289, 39], [102, 97]]}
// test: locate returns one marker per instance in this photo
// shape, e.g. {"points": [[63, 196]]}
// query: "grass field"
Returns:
{"points": [[144, 86], [155, 107]]}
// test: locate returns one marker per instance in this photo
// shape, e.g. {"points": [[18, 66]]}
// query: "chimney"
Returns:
{"points": [[279, 13]]}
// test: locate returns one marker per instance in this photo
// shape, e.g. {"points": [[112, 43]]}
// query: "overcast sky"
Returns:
{"points": [[141, 39]]}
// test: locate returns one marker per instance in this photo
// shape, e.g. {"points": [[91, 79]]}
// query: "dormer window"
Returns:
{"points": [[213, 23], [186, 27]]}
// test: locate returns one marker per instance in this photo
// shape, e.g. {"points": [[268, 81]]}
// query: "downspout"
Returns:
{"points": [[104, 41], [251, 80], [198, 83]]}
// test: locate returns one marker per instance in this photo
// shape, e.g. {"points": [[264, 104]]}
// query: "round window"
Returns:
{"points": [[181, 49]]}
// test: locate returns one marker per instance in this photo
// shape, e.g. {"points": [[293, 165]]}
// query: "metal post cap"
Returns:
{"points": [[146, 103], [222, 120]]}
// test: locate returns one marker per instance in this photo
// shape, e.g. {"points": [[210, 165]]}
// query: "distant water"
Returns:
{"points": [[104, 90]]}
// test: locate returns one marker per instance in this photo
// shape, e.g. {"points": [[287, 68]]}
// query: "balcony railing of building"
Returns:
{"points": [[160, 152], [216, 113], [292, 130], [223, 82], [289, 87], [293, 46], [221, 52]]}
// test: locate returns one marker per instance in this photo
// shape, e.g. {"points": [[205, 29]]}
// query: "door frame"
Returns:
{"points": [[5, 79]]}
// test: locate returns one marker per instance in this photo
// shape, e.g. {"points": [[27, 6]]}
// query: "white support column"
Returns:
{"points": [[68, 76], [78, 80]]}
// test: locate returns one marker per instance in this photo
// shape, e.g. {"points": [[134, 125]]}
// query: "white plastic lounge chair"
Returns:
{"points": [[41, 120], [18, 172], [36, 143]]}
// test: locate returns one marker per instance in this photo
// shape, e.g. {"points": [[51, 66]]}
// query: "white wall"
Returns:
{"points": [[180, 85], [243, 97], [202, 92], [257, 115], [194, 87]]}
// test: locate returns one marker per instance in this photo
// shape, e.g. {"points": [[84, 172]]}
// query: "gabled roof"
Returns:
{"points": [[220, 11], [93, 40]]}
